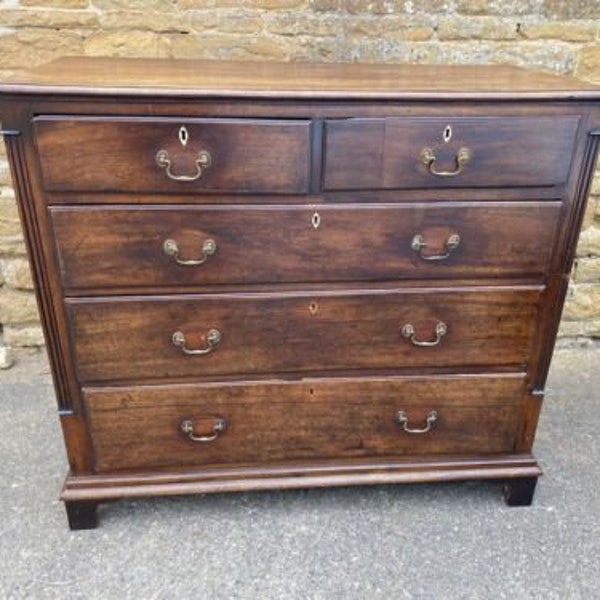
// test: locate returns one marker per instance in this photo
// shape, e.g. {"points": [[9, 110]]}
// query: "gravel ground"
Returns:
{"points": [[448, 541]]}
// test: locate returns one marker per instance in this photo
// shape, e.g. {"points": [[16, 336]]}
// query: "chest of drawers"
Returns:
{"points": [[265, 276]]}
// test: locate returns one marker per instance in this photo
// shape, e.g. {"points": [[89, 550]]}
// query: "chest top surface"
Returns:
{"points": [[175, 77]]}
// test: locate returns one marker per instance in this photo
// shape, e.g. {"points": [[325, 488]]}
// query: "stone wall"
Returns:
{"points": [[554, 35]]}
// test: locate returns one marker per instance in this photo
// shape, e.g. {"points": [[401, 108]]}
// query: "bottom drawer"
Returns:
{"points": [[184, 425]]}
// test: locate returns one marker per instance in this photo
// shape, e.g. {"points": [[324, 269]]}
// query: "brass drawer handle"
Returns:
{"points": [[219, 426], [441, 329], [213, 338], [402, 421], [171, 248], [418, 243], [428, 158], [203, 161]]}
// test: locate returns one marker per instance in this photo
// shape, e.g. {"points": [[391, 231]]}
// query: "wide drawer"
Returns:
{"points": [[173, 155], [448, 151], [183, 246], [146, 426], [220, 334]]}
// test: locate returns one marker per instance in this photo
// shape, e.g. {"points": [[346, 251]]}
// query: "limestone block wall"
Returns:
{"points": [[554, 35]]}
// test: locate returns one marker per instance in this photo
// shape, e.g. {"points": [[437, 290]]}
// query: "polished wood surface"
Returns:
{"points": [[173, 78], [302, 244], [139, 427], [323, 215], [112, 154], [504, 151], [131, 338]]}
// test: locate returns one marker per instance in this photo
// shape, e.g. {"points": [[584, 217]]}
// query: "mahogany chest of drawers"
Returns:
{"points": [[259, 276]]}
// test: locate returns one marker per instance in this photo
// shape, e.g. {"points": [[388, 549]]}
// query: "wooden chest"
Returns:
{"points": [[259, 276]]}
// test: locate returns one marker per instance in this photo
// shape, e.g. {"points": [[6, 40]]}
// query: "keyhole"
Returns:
{"points": [[313, 308], [316, 220], [447, 134], [184, 136]]}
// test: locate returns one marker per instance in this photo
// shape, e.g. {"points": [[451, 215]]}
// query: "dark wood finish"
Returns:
{"points": [[174, 79], [519, 492], [33, 237], [559, 282], [371, 197], [82, 514], [266, 333], [40, 247], [276, 245], [311, 317], [295, 475], [385, 153], [119, 154], [138, 427]]}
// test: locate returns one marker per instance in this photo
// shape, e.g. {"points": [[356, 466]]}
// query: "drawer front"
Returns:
{"points": [[186, 246], [140, 427], [172, 155], [448, 152], [150, 338]]}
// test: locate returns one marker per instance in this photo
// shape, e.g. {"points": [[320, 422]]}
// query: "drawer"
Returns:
{"points": [[142, 338], [146, 426], [432, 152], [112, 154], [185, 246]]}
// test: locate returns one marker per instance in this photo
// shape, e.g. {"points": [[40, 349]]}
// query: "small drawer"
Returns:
{"points": [[434, 152], [154, 338], [111, 154], [186, 246], [165, 426]]}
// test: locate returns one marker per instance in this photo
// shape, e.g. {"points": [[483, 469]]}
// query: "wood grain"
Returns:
{"points": [[138, 427], [282, 245], [96, 76], [130, 338], [385, 153], [119, 154], [296, 474], [46, 280]]}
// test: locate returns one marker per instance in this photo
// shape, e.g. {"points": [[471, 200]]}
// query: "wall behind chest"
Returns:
{"points": [[548, 35]]}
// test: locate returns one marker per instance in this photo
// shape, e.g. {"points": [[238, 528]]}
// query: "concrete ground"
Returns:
{"points": [[449, 541]]}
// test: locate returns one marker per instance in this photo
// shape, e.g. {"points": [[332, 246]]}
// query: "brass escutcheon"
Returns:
{"points": [[316, 220], [447, 135], [183, 135]]}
